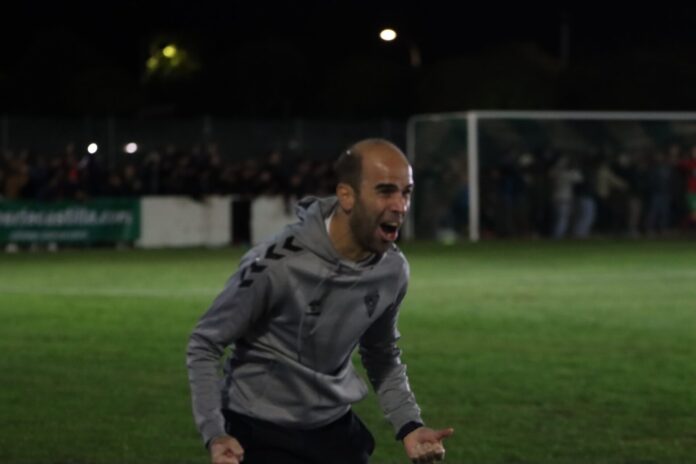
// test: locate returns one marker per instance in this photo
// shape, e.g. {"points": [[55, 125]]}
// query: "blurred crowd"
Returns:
{"points": [[196, 172], [574, 194], [522, 194]]}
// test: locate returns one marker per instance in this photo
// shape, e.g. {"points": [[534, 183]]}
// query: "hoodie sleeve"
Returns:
{"points": [[240, 303], [382, 360]]}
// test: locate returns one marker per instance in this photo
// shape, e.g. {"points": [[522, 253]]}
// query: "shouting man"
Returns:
{"points": [[294, 313]]}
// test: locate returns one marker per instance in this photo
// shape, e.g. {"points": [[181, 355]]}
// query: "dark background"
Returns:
{"points": [[323, 59]]}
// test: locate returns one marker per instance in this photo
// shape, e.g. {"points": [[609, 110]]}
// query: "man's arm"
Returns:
{"points": [[382, 360], [241, 302]]}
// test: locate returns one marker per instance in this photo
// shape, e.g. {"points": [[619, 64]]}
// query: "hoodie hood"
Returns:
{"points": [[311, 232]]}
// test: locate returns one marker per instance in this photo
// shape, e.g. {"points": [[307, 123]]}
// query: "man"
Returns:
{"points": [[295, 311]]}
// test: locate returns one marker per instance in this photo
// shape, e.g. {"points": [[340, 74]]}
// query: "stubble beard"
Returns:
{"points": [[363, 228]]}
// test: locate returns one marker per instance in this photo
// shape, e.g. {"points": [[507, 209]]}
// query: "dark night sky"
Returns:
{"points": [[318, 58]]}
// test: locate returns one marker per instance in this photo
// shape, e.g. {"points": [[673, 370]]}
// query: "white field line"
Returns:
{"points": [[113, 292]]}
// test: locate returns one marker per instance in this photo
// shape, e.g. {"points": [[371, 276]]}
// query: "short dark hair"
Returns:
{"points": [[348, 168]]}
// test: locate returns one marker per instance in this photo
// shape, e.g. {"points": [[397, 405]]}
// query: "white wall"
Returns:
{"points": [[268, 216], [182, 222]]}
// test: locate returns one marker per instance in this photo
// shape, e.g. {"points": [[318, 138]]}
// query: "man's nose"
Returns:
{"points": [[400, 204]]}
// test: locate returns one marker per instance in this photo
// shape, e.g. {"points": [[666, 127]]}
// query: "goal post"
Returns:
{"points": [[465, 141]]}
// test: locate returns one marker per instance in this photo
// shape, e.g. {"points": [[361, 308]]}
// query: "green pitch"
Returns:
{"points": [[533, 352]]}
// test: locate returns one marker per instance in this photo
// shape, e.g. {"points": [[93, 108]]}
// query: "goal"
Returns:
{"points": [[487, 173]]}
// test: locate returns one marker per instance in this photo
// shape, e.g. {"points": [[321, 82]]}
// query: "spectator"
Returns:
{"points": [[632, 169], [132, 181], [585, 201], [564, 176], [609, 188], [17, 178], [659, 179], [688, 166]]}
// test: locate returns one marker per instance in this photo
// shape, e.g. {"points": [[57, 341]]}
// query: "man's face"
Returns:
{"points": [[382, 203]]}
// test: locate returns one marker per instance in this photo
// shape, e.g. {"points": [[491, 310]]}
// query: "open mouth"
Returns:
{"points": [[389, 231], [389, 228]]}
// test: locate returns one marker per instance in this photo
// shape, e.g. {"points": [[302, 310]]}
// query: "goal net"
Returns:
{"points": [[484, 174]]}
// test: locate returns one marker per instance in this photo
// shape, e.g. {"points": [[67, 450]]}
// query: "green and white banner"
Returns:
{"points": [[99, 220]]}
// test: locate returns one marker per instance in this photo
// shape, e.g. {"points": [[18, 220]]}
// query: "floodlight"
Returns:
{"points": [[387, 35], [170, 51], [131, 148]]}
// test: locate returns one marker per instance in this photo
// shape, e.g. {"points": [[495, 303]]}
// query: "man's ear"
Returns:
{"points": [[346, 197]]}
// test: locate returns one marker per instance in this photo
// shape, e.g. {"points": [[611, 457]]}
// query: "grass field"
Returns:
{"points": [[534, 352]]}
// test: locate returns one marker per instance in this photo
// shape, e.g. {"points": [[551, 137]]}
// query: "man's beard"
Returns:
{"points": [[363, 228]]}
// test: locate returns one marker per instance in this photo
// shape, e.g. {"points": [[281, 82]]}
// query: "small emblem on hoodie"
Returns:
{"points": [[314, 308], [371, 300]]}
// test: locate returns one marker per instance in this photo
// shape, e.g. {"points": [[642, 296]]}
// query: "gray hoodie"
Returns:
{"points": [[294, 313]]}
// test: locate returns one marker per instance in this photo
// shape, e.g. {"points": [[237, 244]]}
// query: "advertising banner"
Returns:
{"points": [[98, 220]]}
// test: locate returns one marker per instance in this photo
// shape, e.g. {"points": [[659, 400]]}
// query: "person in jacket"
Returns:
{"points": [[294, 313]]}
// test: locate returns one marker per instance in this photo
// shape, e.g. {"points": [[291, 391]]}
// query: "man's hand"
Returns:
{"points": [[424, 445], [226, 450]]}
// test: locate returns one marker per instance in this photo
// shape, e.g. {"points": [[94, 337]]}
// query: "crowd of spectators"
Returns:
{"points": [[201, 171], [522, 194], [573, 194]]}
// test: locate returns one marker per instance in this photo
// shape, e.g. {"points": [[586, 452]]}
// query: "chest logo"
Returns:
{"points": [[371, 300]]}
